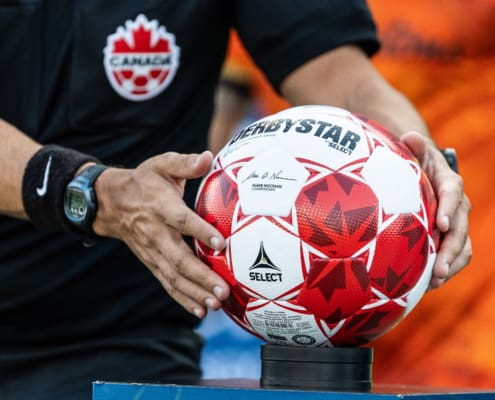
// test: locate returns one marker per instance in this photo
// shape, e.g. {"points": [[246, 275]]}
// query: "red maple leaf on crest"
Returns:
{"points": [[142, 41]]}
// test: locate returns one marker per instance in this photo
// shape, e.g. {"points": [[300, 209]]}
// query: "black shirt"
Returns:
{"points": [[63, 65]]}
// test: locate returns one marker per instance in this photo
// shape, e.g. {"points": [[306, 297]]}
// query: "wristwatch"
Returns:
{"points": [[80, 204]]}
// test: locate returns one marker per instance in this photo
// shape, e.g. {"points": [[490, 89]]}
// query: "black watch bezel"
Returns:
{"points": [[82, 186]]}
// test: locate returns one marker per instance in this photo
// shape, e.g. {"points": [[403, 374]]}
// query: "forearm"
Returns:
{"points": [[378, 100], [345, 78], [231, 106], [15, 151]]}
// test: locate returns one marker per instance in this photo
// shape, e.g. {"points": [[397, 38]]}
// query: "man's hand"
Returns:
{"points": [[453, 208], [144, 207]]}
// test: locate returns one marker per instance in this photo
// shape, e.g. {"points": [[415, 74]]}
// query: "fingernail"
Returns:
{"points": [[218, 292], [435, 283], [446, 222], [215, 243], [210, 303], [443, 272], [198, 312]]}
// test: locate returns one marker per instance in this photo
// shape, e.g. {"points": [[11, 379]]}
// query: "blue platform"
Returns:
{"points": [[247, 389]]}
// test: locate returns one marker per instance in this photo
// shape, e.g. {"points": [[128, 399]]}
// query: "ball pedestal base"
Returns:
{"points": [[323, 368]]}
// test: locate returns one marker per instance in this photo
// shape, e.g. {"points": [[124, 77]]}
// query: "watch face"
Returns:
{"points": [[76, 204], [80, 203]]}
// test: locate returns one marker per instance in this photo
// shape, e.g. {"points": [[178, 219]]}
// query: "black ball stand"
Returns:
{"points": [[323, 368]]}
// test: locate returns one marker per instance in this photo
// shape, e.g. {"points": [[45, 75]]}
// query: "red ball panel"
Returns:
{"points": [[401, 254], [335, 288], [238, 299], [217, 201], [337, 214], [367, 324]]}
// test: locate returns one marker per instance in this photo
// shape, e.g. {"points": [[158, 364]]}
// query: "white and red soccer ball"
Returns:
{"points": [[329, 222]]}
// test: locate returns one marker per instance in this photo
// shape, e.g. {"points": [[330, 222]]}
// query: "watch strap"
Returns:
{"points": [[450, 156], [87, 178], [91, 173]]}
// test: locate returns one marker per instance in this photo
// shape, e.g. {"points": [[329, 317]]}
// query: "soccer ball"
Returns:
{"points": [[329, 222]]}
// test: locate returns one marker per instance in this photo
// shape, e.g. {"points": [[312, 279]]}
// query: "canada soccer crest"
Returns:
{"points": [[141, 59]]}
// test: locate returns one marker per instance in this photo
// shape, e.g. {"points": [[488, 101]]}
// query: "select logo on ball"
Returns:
{"points": [[270, 273], [141, 59]]}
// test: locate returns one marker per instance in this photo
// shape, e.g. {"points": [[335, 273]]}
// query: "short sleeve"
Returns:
{"points": [[281, 35]]}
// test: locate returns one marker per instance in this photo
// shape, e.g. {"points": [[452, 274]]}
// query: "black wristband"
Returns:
{"points": [[46, 176]]}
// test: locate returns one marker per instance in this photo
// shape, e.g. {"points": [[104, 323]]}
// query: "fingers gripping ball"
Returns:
{"points": [[329, 222]]}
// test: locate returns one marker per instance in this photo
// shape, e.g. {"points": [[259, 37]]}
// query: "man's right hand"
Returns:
{"points": [[144, 207]]}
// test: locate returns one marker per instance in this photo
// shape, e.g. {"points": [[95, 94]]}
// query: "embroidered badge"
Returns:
{"points": [[141, 59]]}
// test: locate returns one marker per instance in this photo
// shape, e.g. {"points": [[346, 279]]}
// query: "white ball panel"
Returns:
{"points": [[394, 182], [266, 259], [248, 147], [282, 325], [326, 151], [270, 183], [316, 111], [319, 133]]}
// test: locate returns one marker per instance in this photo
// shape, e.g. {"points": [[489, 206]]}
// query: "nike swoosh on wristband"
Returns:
{"points": [[44, 186]]}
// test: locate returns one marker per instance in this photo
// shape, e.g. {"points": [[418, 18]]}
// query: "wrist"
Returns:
{"points": [[107, 189]]}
